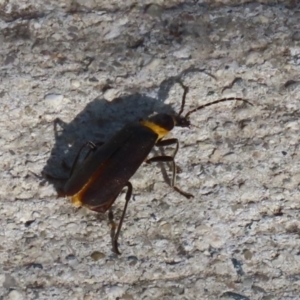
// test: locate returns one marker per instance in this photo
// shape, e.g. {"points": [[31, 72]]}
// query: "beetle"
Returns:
{"points": [[97, 181]]}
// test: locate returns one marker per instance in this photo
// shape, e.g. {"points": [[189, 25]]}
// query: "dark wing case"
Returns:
{"points": [[112, 165]]}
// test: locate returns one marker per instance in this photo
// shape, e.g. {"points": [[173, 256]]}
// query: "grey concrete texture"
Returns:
{"points": [[77, 71]]}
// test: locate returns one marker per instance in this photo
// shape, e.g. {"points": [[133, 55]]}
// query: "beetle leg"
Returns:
{"points": [[92, 146], [112, 224], [163, 143], [170, 159], [168, 142], [113, 234]]}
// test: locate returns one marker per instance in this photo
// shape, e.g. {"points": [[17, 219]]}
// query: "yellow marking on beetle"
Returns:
{"points": [[160, 131], [77, 198]]}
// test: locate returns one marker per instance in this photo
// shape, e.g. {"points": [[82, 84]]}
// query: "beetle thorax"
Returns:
{"points": [[161, 124]]}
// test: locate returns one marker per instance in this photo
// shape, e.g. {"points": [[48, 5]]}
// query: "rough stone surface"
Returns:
{"points": [[96, 65]]}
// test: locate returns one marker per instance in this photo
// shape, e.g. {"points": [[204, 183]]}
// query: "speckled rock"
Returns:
{"points": [[77, 71]]}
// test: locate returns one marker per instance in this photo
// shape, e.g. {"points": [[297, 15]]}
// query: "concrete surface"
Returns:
{"points": [[97, 65]]}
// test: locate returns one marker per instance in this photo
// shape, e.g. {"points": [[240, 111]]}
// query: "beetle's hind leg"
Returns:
{"points": [[115, 235], [113, 227], [92, 148], [166, 158]]}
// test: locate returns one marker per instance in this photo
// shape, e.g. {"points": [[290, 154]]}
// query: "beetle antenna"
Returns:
{"points": [[214, 102], [185, 91]]}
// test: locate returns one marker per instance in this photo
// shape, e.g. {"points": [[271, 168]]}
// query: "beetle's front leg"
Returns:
{"points": [[168, 142], [166, 158]]}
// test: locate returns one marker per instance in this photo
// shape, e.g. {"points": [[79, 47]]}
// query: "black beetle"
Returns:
{"points": [[96, 182]]}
